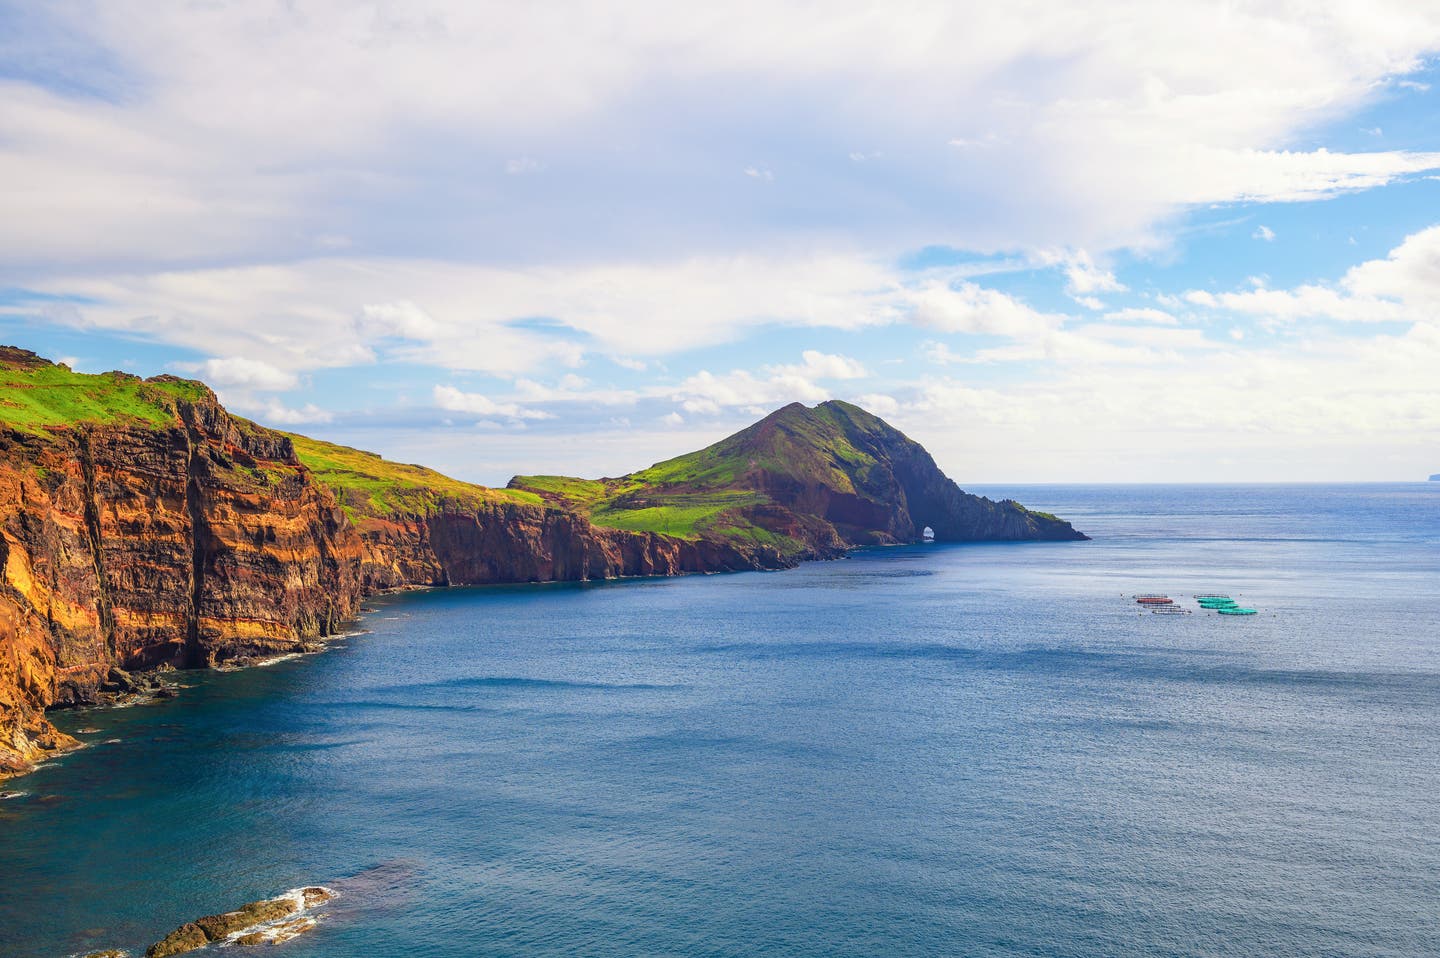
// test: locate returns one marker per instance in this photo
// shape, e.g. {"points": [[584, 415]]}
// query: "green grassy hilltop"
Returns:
{"points": [[37, 396], [801, 479]]}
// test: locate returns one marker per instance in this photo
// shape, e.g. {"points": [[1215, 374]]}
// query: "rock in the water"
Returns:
{"points": [[258, 923], [109, 953], [255, 913], [315, 895], [187, 937]]}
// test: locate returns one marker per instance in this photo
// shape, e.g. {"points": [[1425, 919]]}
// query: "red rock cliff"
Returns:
{"points": [[185, 544]]}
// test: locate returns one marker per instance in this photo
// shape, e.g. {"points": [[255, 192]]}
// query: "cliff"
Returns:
{"points": [[143, 526], [421, 528]]}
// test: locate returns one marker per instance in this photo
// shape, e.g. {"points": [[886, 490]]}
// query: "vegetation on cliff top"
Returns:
{"points": [[40, 397], [372, 486]]}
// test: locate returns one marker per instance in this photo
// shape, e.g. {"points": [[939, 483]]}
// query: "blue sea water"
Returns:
{"points": [[937, 750]]}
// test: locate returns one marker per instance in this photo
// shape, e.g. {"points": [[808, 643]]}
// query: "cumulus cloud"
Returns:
{"points": [[454, 400], [1402, 287], [238, 371], [1263, 232], [278, 414], [1127, 113], [1142, 314], [965, 307], [325, 312], [706, 392]]}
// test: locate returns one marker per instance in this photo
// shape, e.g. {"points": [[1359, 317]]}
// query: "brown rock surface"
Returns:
{"points": [[187, 937], [140, 545], [228, 923]]}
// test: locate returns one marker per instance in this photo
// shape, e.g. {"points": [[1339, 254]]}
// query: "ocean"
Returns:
{"points": [[917, 751]]}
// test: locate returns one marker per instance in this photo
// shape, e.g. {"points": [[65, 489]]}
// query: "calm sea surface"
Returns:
{"points": [[942, 750]]}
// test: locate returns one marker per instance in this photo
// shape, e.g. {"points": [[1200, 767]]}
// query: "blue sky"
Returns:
{"points": [[1054, 244]]}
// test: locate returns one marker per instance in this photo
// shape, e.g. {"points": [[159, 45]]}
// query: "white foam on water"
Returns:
{"points": [[286, 657], [7, 796], [297, 923]]}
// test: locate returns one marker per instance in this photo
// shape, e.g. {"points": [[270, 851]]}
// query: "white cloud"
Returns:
{"points": [[1263, 232], [277, 414], [238, 371], [338, 312], [1142, 314], [708, 393], [1403, 287], [454, 400], [964, 307], [249, 131], [878, 403]]}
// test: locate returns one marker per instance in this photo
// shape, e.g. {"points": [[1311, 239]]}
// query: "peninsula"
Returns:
{"points": [[143, 526]]}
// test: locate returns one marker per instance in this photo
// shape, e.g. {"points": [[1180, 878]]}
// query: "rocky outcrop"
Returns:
{"points": [[258, 923]]}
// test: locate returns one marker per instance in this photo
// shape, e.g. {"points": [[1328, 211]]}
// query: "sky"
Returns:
{"points": [[1116, 241]]}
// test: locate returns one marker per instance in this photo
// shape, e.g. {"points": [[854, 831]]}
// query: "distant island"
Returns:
{"points": [[146, 527]]}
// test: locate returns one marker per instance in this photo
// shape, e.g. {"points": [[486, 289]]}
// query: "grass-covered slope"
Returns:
{"points": [[40, 397], [370, 485], [804, 479]]}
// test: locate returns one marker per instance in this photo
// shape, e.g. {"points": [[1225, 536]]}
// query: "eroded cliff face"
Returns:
{"points": [[137, 546], [466, 544]]}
